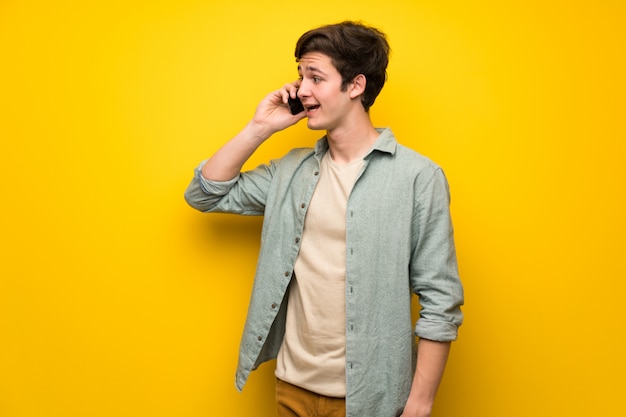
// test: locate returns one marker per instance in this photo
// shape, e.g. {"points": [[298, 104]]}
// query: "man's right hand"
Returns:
{"points": [[272, 113]]}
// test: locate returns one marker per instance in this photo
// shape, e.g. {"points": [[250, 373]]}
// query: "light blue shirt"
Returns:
{"points": [[399, 241]]}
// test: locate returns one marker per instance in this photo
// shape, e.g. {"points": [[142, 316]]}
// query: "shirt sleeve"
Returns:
{"points": [[245, 194], [433, 269]]}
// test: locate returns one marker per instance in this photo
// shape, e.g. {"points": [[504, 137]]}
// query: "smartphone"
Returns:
{"points": [[295, 105]]}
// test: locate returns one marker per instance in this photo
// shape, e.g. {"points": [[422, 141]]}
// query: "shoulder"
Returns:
{"points": [[299, 153], [410, 165], [401, 154], [295, 157], [414, 158], [289, 164]]}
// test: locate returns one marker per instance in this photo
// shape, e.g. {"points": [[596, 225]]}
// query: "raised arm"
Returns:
{"points": [[271, 116]]}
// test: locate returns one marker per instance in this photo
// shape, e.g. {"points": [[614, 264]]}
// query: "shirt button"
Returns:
{"points": [[273, 306], [297, 240], [302, 205], [259, 338], [287, 273], [316, 173]]}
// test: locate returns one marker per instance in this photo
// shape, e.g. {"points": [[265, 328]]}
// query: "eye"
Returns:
{"points": [[316, 79]]}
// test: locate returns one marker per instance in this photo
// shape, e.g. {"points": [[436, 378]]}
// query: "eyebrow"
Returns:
{"points": [[311, 68]]}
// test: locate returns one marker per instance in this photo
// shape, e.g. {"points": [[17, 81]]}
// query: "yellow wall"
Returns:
{"points": [[116, 299]]}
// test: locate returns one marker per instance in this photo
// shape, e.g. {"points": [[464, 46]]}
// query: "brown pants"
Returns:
{"points": [[293, 401]]}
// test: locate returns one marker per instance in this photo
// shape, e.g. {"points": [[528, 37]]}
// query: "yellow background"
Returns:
{"points": [[116, 299]]}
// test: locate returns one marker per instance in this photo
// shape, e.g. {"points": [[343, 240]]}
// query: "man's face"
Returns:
{"points": [[320, 91]]}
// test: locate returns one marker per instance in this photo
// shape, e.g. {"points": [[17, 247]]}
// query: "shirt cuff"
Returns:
{"points": [[436, 331], [214, 187]]}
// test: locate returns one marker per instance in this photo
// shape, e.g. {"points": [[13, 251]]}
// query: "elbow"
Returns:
{"points": [[191, 201], [197, 198]]}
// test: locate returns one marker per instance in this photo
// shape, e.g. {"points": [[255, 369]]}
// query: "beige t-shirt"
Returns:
{"points": [[312, 355]]}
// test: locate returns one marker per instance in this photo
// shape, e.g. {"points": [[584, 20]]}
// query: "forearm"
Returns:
{"points": [[431, 362], [271, 116], [227, 162]]}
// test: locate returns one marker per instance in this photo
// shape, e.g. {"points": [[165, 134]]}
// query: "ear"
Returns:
{"points": [[357, 86]]}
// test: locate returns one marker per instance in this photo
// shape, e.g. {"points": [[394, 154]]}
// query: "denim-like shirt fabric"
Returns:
{"points": [[399, 240]]}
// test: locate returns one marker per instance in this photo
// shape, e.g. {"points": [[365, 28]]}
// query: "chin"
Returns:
{"points": [[314, 126]]}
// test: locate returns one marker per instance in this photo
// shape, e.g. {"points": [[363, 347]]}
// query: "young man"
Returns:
{"points": [[351, 229]]}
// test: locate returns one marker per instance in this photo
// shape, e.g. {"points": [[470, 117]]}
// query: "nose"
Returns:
{"points": [[303, 90]]}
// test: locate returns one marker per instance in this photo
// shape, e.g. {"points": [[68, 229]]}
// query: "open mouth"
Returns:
{"points": [[312, 108]]}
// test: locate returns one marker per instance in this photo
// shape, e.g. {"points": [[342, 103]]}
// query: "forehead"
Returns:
{"points": [[316, 62]]}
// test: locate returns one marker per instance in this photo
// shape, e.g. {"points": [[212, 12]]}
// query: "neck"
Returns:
{"points": [[350, 143]]}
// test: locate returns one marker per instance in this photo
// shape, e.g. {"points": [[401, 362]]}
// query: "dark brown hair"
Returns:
{"points": [[354, 49]]}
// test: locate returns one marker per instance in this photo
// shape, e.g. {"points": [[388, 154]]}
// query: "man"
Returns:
{"points": [[351, 228]]}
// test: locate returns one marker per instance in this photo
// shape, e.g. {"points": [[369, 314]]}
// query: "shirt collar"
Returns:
{"points": [[386, 143]]}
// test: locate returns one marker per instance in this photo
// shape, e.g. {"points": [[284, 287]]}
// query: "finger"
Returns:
{"points": [[279, 97], [292, 88], [285, 93]]}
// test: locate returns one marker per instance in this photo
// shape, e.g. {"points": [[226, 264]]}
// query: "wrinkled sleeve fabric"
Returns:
{"points": [[245, 194], [433, 268]]}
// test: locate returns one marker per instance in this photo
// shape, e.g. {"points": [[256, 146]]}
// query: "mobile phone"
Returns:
{"points": [[295, 105]]}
